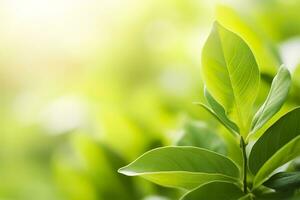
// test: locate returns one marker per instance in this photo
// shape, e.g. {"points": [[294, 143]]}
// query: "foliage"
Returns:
{"points": [[231, 76], [109, 80]]}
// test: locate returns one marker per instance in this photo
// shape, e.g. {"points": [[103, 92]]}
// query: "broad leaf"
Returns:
{"points": [[277, 95], [231, 74], [265, 52], [279, 144], [215, 191], [182, 167], [284, 181], [220, 112], [197, 134]]}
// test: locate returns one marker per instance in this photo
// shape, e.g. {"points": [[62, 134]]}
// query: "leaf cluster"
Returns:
{"points": [[204, 171]]}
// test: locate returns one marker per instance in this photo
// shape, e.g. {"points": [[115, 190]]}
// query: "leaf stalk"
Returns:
{"points": [[243, 146]]}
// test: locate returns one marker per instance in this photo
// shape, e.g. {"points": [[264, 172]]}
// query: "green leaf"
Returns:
{"points": [[197, 134], [284, 181], [220, 112], [182, 167], [278, 145], [265, 52], [248, 196], [278, 195], [217, 117], [284, 155], [231, 74], [277, 95], [215, 190]]}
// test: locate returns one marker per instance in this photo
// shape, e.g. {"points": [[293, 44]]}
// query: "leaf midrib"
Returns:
{"points": [[231, 87]]}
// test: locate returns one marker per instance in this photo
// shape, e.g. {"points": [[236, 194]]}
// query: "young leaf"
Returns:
{"points": [[197, 134], [208, 109], [231, 74], [265, 52], [215, 190], [219, 110], [284, 181], [278, 145], [277, 95], [182, 167]]}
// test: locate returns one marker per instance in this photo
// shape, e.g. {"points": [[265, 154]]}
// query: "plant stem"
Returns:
{"points": [[243, 147]]}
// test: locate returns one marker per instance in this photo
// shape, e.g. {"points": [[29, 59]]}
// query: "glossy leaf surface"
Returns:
{"points": [[277, 95], [182, 167], [231, 74]]}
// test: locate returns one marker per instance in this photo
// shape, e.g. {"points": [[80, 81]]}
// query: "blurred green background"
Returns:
{"points": [[89, 85]]}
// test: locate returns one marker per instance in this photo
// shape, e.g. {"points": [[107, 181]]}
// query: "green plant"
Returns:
{"points": [[232, 80]]}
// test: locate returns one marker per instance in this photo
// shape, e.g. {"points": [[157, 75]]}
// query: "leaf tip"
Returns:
{"points": [[125, 171], [128, 170]]}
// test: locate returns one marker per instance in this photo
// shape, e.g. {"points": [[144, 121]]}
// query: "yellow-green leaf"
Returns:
{"points": [[182, 167], [277, 95], [231, 74], [265, 52], [220, 112]]}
